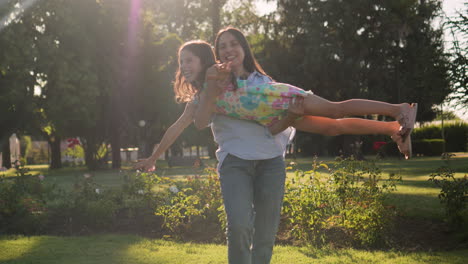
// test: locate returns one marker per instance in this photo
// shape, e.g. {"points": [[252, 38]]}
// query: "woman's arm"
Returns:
{"points": [[295, 111], [172, 133]]}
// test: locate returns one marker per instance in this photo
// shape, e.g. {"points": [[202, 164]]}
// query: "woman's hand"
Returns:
{"points": [[296, 107], [145, 165], [295, 110]]}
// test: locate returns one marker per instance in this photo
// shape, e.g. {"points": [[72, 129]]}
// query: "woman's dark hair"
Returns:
{"points": [[185, 91], [250, 63]]}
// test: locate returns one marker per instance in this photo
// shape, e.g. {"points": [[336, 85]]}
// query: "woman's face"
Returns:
{"points": [[190, 65], [229, 49]]}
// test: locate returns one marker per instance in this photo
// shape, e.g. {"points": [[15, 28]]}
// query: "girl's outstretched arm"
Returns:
{"points": [[216, 80], [172, 133]]}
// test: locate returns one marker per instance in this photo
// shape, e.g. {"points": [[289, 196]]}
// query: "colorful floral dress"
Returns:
{"points": [[265, 103]]}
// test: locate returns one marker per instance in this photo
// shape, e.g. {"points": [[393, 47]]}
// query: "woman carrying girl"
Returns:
{"points": [[251, 165]]}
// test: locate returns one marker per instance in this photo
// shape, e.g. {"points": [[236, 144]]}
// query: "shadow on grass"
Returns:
{"points": [[46, 249], [426, 184], [425, 206], [423, 166]]}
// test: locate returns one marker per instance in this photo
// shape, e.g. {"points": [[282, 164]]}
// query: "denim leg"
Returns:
{"points": [[236, 176], [268, 198]]}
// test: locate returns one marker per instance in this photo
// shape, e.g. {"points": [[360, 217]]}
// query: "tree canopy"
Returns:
{"points": [[96, 69]]}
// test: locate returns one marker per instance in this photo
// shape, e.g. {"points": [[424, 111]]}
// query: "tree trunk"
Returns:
{"points": [[56, 153], [215, 18], [90, 150], [115, 144]]}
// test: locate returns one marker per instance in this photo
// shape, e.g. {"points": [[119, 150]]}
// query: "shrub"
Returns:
{"points": [[22, 202], [308, 205], [428, 147], [193, 207], [349, 198], [139, 195], [74, 156], [456, 135], [453, 194], [360, 195]]}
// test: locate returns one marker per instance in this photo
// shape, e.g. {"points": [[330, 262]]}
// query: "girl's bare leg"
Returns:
{"points": [[318, 106], [349, 126], [353, 126]]}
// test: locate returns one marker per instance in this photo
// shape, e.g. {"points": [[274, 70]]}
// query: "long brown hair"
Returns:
{"points": [[250, 63], [184, 90]]}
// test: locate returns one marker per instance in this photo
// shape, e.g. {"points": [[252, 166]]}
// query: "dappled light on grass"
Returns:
{"points": [[17, 247]]}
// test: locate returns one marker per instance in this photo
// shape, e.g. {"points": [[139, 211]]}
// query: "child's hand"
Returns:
{"points": [[224, 71], [219, 72], [145, 165], [219, 77]]}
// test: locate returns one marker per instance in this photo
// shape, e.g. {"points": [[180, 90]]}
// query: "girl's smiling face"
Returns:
{"points": [[230, 50], [190, 65]]}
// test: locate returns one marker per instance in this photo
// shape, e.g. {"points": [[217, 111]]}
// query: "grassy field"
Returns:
{"points": [[415, 197], [114, 249]]}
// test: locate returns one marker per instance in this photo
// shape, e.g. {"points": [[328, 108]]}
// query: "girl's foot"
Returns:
{"points": [[406, 119], [404, 145]]}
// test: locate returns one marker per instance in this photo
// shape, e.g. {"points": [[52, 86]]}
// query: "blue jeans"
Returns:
{"points": [[253, 193]]}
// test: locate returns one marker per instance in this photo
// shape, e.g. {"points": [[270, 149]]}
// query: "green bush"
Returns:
{"points": [[349, 200], [76, 154], [194, 206], [25, 147], [28, 206], [22, 202], [453, 194], [308, 205], [456, 135], [428, 147]]}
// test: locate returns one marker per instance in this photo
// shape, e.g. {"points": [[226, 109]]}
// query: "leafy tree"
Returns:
{"points": [[17, 78], [447, 115], [71, 101], [459, 64], [381, 50], [384, 50]]}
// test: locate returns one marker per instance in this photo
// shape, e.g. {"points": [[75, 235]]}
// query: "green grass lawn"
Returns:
{"points": [[113, 249], [415, 197]]}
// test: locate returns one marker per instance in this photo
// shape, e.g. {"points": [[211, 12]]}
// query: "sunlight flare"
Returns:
{"points": [[15, 14]]}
